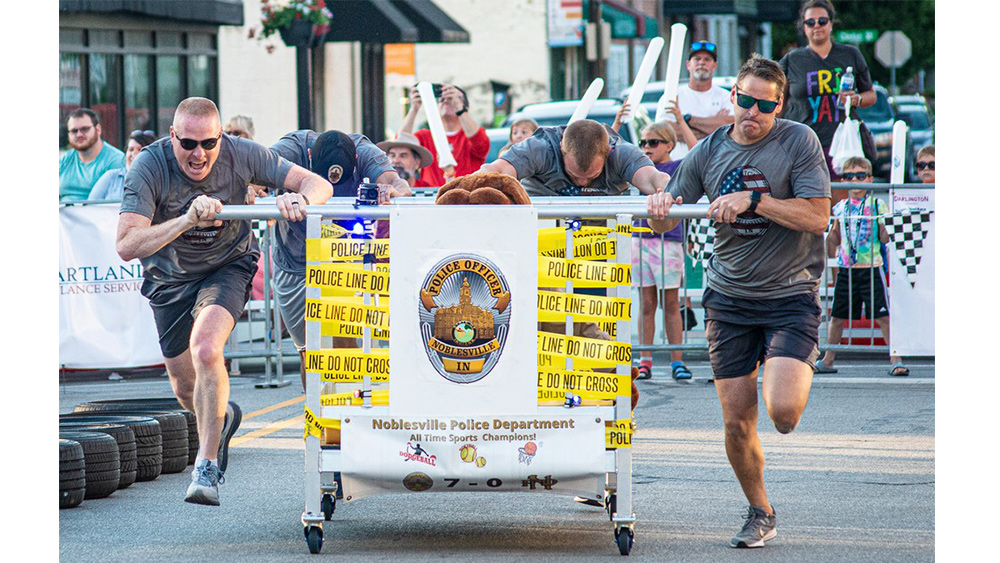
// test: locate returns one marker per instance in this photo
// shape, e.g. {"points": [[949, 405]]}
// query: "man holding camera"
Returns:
{"points": [[345, 161], [408, 156], [467, 139]]}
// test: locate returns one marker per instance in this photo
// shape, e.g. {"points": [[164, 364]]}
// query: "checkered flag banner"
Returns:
{"points": [[258, 226], [907, 232], [701, 237]]}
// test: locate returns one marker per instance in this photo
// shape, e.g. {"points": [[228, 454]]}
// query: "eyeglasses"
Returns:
{"points": [[653, 143], [922, 165], [851, 176], [83, 130], [142, 132], [703, 46], [821, 21], [207, 144], [746, 102]]}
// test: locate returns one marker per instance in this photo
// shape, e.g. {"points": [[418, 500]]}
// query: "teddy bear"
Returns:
{"points": [[493, 188]]}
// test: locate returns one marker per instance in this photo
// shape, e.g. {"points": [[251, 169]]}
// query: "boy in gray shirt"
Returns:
{"points": [[198, 269], [769, 189]]}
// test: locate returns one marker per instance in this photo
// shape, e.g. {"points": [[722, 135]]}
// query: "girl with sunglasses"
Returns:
{"points": [[658, 261], [812, 94]]}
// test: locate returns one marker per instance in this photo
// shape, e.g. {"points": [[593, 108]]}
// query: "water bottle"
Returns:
{"points": [[846, 84]]}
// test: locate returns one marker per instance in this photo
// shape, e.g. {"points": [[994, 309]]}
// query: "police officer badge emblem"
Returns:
{"points": [[464, 314]]}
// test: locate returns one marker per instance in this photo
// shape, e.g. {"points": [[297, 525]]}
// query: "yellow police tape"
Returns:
{"points": [[554, 272], [324, 249], [380, 397], [554, 306], [590, 349], [555, 383], [349, 365], [619, 435], [351, 331], [558, 361], [591, 248], [555, 237], [332, 231], [345, 310], [314, 425], [347, 277]]}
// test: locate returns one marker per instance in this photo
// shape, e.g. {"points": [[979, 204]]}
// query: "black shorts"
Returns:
{"points": [[855, 290], [744, 332], [175, 306]]}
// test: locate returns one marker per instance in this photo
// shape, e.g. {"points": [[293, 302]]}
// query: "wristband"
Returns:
{"points": [[754, 200], [461, 111]]}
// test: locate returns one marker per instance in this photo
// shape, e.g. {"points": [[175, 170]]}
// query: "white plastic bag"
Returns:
{"points": [[846, 140]]}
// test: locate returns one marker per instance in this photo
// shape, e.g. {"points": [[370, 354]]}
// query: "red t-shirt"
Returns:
{"points": [[469, 153]]}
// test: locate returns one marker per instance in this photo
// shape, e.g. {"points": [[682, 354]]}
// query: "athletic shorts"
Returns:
{"points": [[657, 262], [855, 290], [744, 332], [176, 305], [290, 292]]}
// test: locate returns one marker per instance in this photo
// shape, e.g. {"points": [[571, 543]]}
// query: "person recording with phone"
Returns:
{"points": [[467, 139]]}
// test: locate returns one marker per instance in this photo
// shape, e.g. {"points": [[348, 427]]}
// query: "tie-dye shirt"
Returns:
{"points": [[813, 85], [859, 244]]}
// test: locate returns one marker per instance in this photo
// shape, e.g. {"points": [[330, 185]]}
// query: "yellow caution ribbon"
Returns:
{"points": [[590, 349], [325, 249], [557, 361], [555, 272], [591, 248], [349, 365], [345, 310], [350, 278], [332, 231], [379, 397], [314, 425], [619, 435], [351, 331], [555, 383], [553, 306]]}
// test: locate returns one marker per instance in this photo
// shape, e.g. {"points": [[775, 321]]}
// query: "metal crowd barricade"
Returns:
{"points": [[323, 460]]}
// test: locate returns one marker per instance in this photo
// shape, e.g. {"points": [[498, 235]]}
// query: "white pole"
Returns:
{"points": [[897, 174], [589, 97], [675, 55], [642, 76], [444, 156]]}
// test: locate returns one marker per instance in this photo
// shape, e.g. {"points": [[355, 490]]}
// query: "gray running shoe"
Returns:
{"points": [[758, 527], [204, 487], [229, 426]]}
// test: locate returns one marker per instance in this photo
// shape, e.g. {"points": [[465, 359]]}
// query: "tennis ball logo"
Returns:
{"points": [[468, 453]]}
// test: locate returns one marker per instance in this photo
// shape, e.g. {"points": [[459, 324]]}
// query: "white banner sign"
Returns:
{"points": [[557, 454], [103, 320], [911, 272], [565, 19], [469, 298]]}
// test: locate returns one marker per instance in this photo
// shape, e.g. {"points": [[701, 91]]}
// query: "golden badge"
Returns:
{"points": [[464, 316]]}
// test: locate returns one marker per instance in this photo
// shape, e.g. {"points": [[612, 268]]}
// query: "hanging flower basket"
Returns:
{"points": [[300, 23]]}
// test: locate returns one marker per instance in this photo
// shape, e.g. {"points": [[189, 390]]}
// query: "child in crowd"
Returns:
{"points": [[520, 129]]}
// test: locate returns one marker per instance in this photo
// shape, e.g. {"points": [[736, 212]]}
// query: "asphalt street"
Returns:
{"points": [[855, 482]]}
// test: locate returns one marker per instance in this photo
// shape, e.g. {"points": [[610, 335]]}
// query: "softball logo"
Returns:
{"points": [[468, 453], [464, 316]]}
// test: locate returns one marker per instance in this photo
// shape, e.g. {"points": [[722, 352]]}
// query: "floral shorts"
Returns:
{"points": [[656, 262]]}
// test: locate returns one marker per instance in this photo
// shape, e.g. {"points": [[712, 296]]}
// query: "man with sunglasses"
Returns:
{"points": [[88, 159], [198, 269], [705, 108], [769, 189]]}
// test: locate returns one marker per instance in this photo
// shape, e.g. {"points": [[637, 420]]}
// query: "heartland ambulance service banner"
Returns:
{"points": [[556, 454], [911, 272], [463, 299], [103, 320]]}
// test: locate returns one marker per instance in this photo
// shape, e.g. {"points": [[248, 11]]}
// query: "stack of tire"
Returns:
{"points": [[109, 445]]}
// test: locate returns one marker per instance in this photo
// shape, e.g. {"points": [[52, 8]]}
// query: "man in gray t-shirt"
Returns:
{"points": [[582, 158], [198, 269], [769, 189]]}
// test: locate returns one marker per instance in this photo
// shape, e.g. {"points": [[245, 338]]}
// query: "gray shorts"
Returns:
{"points": [[744, 332], [176, 305], [290, 291]]}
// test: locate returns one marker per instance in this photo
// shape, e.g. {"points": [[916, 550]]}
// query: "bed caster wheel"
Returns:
{"points": [[329, 505], [624, 537], [314, 538]]}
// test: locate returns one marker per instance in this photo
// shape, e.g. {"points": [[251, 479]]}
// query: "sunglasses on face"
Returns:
{"points": [[746, 102], [191, 144], [812, 23], [922, 165], [851, 176], [652, 143], [703, 46], [83, 130]]}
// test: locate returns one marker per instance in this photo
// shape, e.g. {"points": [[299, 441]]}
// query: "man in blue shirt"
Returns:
{"points": [[89, 159]]}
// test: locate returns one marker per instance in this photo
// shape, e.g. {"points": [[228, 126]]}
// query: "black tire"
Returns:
{"points": [[126, 445], [72, 473], [148, 404], [149, 442], [314, 538], [624, 538], [100, 451]]}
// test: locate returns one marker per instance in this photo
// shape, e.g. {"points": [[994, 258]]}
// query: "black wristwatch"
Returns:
{"points": [[754, 200], [687, 118], [461, 111]]}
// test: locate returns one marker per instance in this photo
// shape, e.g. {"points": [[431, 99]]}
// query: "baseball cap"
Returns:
{"points": [[333, 157], [706, 46]]}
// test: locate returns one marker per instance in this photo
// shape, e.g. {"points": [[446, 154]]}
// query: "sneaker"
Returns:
{"points": [[229, 426], [204, 487], [758, 527]]}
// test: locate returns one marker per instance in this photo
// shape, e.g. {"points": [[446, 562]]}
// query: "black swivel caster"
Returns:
{"points": [[329, 505], [314, 538], [624, 537]]}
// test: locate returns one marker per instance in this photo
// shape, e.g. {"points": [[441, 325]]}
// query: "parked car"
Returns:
{"points": [[879, 118], [498, 138], [654, 91], [914, 112], [603, 111]]}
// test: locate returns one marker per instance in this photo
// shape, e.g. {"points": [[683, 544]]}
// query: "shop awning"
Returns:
{"points": [[214, 12], [626, 22], [393, 21]]}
